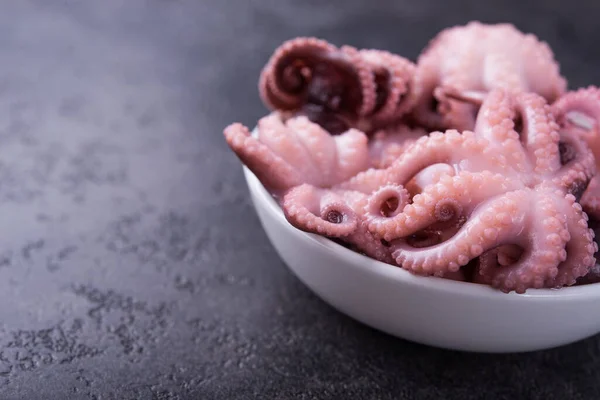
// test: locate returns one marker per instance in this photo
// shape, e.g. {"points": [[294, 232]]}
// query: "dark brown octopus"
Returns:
{"points": [[338, 88]]}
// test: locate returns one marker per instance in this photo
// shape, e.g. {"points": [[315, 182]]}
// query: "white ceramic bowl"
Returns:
{"points": [[428, 310]]}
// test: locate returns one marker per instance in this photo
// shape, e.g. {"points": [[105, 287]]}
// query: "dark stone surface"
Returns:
{"points": [[132, 265]]}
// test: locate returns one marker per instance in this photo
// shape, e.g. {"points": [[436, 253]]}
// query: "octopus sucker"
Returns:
{"points": [[473, 163]]}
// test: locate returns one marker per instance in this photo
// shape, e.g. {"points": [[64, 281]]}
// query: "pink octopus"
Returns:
{"points": [[287, 154], [501, 195], [298, 159], [578, 114], [465, 62], [338, 88]]}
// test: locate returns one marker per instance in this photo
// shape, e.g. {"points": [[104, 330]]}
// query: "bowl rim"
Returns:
{"points": [[370, 265]]}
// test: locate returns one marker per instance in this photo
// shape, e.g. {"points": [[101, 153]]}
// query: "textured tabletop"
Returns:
{"points": [[132, 264]]}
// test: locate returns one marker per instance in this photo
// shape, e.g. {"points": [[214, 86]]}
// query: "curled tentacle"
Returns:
{"points": [[578, 166], [551, 256], [387, 202], [393, 76], [334, 213], [453, 198], [580, 247], [578, 114], [496, 222], [338, 88], [319, 211], [296, 66]]}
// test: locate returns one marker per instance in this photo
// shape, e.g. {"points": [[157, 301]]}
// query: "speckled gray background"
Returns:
{"points": [[132, 265]]}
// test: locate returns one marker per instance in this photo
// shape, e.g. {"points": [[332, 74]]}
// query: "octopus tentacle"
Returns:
{"points": [[366, 78], [578, 114], [392, 98], [282, 140], [317, 145], [334, 213], [319, 211], [539, 132], [352, 154], [580, 247], [284, 79], [385, 146], [578, 165], [450, 147], [496, 222], [451, 198], [387, 202], [366, 181], [497, 123], [426, 110], [272, 170], [554, 259], [436, 148], [496, 119], [338, 88]]}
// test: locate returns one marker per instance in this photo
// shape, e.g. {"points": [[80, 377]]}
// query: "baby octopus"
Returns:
{"points": [[578, 114], [465, 62], [338, 88], [287, 154], [501, 195]]}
